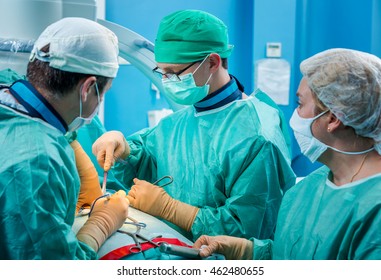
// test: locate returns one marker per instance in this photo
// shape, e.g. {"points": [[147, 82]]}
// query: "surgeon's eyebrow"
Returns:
{"points": [[172, 69]]}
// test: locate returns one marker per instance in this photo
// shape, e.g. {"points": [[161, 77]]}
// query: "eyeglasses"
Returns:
{"points": [[175, 75]]}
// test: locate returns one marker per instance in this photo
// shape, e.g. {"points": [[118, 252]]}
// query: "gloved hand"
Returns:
{"points": [[233, 248], [107, 216], [109, 147], [155, 201], [90, 188]]}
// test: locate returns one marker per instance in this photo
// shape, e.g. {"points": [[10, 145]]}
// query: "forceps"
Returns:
{"points": [[170, 178], [136, 236]]}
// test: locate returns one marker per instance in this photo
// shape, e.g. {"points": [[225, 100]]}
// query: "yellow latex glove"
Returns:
{"points": [[233, 248], [155, 201], [109, 147], [90, 188], [107, 216]]}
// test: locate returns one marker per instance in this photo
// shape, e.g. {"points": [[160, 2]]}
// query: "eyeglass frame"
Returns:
{"points": [[176, 74]]}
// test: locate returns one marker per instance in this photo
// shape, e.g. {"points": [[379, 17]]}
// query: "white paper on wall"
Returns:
{"points": [[272, 76]]}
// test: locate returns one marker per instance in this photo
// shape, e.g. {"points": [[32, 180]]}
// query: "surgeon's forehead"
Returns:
{"points": [[171, 66]]}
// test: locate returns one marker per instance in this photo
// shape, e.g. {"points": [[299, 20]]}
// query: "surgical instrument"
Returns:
{"points": [[138, 224], [170, 178], [186, 252], [104, 182], [136, 236], [135, 222], [182, 251]]}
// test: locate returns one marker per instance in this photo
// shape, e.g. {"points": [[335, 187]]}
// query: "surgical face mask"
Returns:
{"points": [[81, 121], [311, 147], [185, 91]]}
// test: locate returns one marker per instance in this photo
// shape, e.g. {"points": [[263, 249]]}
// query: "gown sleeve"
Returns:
{"points": [[254, 190]]}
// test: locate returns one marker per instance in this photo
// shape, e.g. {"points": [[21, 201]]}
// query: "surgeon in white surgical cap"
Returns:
{"points": [[71, 67], [335, 212]]}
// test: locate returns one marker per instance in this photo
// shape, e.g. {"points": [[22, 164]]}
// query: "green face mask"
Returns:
{"points": [[185, 91]]}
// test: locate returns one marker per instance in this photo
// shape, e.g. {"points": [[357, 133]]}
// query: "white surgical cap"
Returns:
{"points": [[79, 45], [348, 82]]}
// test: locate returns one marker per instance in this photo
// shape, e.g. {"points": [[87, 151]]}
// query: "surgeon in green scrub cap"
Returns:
{"points": [[225, 150], [188, 36]]}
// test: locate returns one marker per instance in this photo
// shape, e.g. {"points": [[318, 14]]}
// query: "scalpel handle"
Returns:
{"points": [[104, 182]]}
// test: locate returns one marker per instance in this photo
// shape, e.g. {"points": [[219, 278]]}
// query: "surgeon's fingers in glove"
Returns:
{"points": [[116, 204], [110, 146], [208, 246], [154, 200], [233, 248], [107, 216], [148, 197]]}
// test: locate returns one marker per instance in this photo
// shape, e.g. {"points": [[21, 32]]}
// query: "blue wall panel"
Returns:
{"points": [[376, 28], [129, 100]]}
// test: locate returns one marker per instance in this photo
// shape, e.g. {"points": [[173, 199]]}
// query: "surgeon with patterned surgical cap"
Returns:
{"points": [[225, 151], [335, 212], [71, 67]]}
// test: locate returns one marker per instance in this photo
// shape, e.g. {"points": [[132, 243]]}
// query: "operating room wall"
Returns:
{"points": [[304, 27]]}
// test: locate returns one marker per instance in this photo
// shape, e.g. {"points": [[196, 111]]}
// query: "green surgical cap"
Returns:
{"points": [[190, 35]]}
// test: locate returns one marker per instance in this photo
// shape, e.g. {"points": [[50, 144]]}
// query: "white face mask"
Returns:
{"points": [[311, 147], [81, 121]]}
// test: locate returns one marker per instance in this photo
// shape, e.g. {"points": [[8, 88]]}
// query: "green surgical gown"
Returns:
{"points": [[39, 188], [283, 123], [232, 162], [320, 221], [86, 135]]}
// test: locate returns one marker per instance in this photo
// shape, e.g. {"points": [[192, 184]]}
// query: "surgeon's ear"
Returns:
{"points": [[87, 84], [333, 122], [214, 62]]}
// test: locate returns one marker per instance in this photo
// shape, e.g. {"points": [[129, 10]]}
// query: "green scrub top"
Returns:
{"points": [[39, 187], [232, 162], [320, 221]]}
